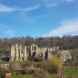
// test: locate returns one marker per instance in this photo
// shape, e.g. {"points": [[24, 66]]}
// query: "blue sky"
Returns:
{"points": [[38, 18]]}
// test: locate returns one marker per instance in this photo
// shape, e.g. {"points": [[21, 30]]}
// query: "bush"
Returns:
{"points": [[40, 74], [54, 64]]}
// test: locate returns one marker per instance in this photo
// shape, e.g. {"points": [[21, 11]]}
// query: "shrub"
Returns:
{"points": [[40, 74], [54, 64]]}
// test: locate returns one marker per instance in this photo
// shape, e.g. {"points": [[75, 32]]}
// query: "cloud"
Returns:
{"points": [[51, 5], [55, 3], [69, 1], [65, 28], [29, 8], [5, 8], [46, 3]]}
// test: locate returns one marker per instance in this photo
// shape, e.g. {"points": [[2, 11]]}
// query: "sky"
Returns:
{"points": [[38, 18]]}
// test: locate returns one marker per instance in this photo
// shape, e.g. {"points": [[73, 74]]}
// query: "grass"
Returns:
{"points": [[21, 76], [71, 72], [30, 76], [3, 62]]}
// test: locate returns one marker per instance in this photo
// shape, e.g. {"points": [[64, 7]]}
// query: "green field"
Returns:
{"points": [[30, 76], [21, 76], [69, 72]]}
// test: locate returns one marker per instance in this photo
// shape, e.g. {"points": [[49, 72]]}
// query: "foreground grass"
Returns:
{"points": [[69, 72], [30, 76], [22, 76]]}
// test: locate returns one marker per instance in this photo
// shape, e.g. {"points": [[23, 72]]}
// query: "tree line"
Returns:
{"points": [[65, 42]]}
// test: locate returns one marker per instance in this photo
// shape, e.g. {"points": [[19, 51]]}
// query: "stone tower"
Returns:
{"points": [[18, 53]]}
